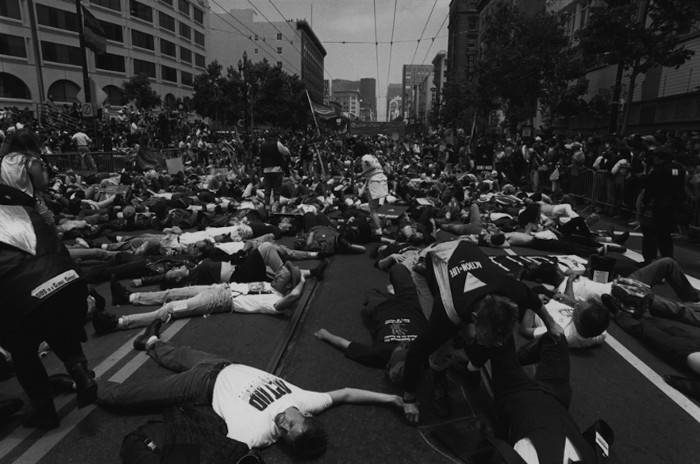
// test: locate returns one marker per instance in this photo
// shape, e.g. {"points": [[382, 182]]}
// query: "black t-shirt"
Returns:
{"points": [[391, 323], [206, 272], [464, 274]]}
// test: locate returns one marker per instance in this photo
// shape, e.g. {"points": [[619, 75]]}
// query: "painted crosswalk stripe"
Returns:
{"points": [[42, 446], [18, 435]]}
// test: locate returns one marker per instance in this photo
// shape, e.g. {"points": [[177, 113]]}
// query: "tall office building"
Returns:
{"points": [[366, 89], [439, 79], [393, 101], [164, 39], [292, 45], [368, 93], [413, 76]]}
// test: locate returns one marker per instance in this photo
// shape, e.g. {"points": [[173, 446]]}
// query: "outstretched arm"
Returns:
{"points": [[289, 299], [332, 339], [358, 396]]}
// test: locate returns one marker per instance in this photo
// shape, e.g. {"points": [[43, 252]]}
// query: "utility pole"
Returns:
{"points": [[37, 51], [81, 31]]}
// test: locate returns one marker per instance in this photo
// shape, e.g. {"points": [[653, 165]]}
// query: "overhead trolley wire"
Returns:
{"points": [[376, 44], [423, 31], [293, 30], [391, 44], [433, 41], [250, 38]]}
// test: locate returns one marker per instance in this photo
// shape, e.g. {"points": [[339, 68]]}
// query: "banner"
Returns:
{"points": [[324, 112], [395, 130], [93, 34]]}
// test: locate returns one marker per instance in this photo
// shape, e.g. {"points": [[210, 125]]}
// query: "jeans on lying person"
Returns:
{"points": [[670, 270], [196, 300], [192, 381], [275, 255], [688, 313], [668, 339]]}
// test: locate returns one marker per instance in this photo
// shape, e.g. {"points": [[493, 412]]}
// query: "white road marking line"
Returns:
{"points": [[42, 446], [19, 434], [674, 395], [680, 399], [634, 256], [129, 368]]}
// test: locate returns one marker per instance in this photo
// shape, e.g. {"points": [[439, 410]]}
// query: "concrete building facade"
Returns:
{"points": [[291, 45], [349, 101], [368, 93], [439, 79], [367, 88], [426, 99], [164, 39], [663, 97], [412, 76]]}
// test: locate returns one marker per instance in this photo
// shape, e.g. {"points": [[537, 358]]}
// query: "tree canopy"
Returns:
{"points": [[138, 89], [526, 60], [263, 93]]}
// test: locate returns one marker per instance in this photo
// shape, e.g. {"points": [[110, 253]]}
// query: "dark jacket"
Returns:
{"points": [[22, 272], [187, 434], [271, 156]]}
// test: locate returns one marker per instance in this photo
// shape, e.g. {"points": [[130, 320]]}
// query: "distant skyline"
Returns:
{"points": [[340, 20]]}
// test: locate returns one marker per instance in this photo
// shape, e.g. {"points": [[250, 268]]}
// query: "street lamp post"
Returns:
{"points": [[242, 70]]}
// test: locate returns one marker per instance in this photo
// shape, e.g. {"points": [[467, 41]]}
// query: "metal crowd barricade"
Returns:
{"points": [[105, 160], [601, 189]]}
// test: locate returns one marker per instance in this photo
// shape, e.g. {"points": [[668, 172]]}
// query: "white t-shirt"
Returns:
{"points": [[563, 315], [245, 301], [81, 139], [585, 288], [248, 399], [237, 232], [526, 449]]}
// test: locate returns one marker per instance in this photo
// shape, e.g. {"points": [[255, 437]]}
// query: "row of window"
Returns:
{"points": [[145, 12], [184, 7], [66, 20], [168, 22], [116, 63], [11, 45]]}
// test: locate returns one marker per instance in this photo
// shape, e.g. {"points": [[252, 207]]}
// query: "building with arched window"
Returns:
{"points": [[165, 39]]}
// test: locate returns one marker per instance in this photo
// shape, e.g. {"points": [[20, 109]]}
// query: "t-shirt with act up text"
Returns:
{"points": [[248, 399]]}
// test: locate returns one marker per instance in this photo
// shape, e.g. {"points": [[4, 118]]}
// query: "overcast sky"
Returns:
{"points": [[343, 20]]}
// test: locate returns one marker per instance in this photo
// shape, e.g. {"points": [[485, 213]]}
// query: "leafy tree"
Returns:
{"points": [[208, 91], [259, 92], [460, 103], [138, 89], [637, 36], [526, 62]]}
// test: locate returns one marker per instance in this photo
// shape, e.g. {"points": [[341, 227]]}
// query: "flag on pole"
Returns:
{"points": [[322, 111], [93, 34]]}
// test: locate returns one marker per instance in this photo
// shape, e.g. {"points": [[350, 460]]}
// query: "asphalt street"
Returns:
{"points": [[618, 382]]}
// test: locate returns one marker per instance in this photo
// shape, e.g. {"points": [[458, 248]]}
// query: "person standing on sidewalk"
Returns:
{"points": [[82, 143], [662, 198]]}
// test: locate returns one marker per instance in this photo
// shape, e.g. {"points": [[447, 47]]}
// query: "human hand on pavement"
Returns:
{"points": [[411, 412], [321, 334]]}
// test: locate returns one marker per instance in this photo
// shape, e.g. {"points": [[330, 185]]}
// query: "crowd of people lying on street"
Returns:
{"points": [[227, 236]]}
